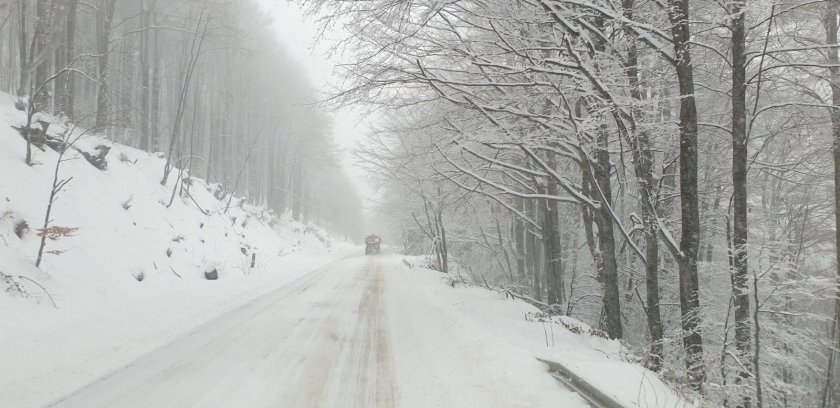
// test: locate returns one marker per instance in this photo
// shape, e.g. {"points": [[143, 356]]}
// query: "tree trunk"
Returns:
{"points": [[271, 175], [690, 214], [587, 219], [741, 300], [145, 76], [532, 262], [519, 238], [306, 206], [602, 191], [40, 57], [552, 241], [601, 187], [715, 207], [831, 26], [553, 250], [59, 60], [105, 15], [154, 103], [64, 98], [644, 162], [297, 175], [23, 84], [444, 248]]}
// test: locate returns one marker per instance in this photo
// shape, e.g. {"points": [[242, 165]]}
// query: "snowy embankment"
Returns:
{"points": [[518, 333], [127, 274]]}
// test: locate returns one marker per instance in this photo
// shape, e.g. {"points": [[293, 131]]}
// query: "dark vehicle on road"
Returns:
{"points": [[372, 244]]}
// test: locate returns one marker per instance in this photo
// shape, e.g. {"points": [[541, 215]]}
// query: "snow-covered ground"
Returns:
{"points": [[488, 319], [360, 333], [365, 331], [444, 358], [131, 277]]}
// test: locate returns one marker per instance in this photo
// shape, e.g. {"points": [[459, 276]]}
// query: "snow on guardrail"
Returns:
{"points": [[590, 393]]}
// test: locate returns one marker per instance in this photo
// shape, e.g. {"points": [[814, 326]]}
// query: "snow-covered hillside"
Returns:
{"points": [[128, 272]]}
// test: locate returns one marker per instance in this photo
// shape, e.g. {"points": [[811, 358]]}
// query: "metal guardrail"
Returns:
{"points": [[593, 395]]}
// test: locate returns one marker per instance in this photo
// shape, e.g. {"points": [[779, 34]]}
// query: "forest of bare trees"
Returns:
{"points": [[659, 169], [204, 84]]}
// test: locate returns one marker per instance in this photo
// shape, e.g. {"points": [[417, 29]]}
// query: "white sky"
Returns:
{"points": [[298, 33]]}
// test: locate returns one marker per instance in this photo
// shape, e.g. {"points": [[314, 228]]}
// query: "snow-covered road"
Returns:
{"points": [[355, 333]]}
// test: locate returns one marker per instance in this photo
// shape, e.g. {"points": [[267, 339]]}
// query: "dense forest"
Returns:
{"points": [[203, 83], [664, 170]]}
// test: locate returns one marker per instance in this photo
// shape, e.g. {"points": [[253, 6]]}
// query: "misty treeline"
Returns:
{"points": [[658, 168], [202, 83]]}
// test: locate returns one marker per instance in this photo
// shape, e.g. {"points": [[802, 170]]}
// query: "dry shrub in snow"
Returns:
{"points": [[55, 233], [573, 325]]}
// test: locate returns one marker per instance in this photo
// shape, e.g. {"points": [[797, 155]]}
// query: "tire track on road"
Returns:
{"points": [[365, 375]]}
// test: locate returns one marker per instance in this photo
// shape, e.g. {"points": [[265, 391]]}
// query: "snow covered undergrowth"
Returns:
{"points": [[488, 317], [128, 273]]}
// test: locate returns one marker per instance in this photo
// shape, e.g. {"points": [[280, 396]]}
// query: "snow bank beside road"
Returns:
{"points": [[444, 358], [132, 275], [488, 319], [57, 351]]}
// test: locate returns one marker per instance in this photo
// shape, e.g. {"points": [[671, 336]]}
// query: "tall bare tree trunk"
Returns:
{"points": [[519, 238], [64, 98], [831, 25], [643, 165], [444, 246], [297, 188], [532, 261], [678, 13], [552, 241], [601, 185], [741, 300], [40, 57], [105, 15], [651, 226], [145, 76], [23, 84], [602, 191], [59, 53], [154, 102]]}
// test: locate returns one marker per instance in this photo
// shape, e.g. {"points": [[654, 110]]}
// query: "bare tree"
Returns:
{"points": [[105, 14]]}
